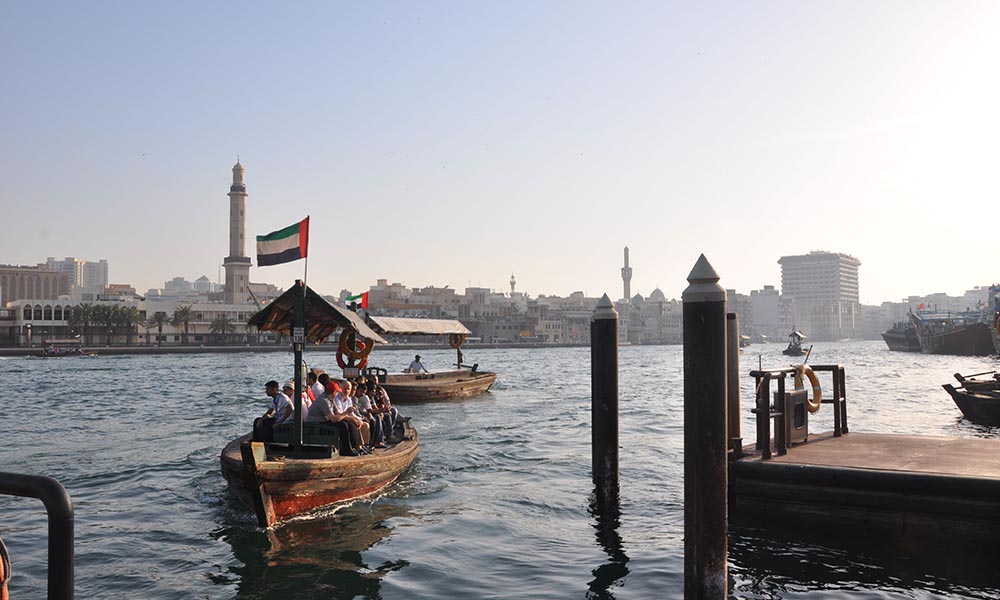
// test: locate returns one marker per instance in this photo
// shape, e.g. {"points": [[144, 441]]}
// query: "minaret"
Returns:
{"points": [[513, 282], [627, 276], [237, 264]]}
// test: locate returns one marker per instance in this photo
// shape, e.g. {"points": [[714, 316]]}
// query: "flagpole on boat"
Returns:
{"points": [[298, 342]]}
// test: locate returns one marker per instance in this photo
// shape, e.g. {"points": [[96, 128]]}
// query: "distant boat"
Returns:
{"points": [[902, 337], [795, 344], [64, 347], [959, 333]]}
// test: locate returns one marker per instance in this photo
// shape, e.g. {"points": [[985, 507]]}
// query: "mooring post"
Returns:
{"points": [[705, 486], [604, 399], [734, 435]]}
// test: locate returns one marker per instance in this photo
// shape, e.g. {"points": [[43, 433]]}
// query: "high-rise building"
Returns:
{"points": [[824, 286], [627, 277], [89, 274], [237, 264]]}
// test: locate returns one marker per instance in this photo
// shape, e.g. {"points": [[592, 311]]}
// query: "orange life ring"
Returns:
{"points": [[360, 350], [817, 395], [455, 340], [342, 362]]}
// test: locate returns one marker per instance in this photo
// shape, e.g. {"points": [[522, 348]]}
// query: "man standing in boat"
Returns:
{"points": [[416, 366]]}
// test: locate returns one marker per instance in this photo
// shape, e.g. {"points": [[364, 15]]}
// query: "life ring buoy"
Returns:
{"points": [[360, 350], [455, 340], [342, 361], [817, 393]]}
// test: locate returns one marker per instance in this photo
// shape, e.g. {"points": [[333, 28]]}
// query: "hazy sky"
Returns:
{"points": [[455, 143]]}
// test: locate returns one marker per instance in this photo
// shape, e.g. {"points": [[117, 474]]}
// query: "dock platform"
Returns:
{"points": [[876, 485]]}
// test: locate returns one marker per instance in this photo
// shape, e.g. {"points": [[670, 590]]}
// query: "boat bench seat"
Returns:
{"points": [[325, 435]]}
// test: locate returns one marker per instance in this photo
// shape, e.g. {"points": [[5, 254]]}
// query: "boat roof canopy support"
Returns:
{"points": [[322, 318], [403, 326]]}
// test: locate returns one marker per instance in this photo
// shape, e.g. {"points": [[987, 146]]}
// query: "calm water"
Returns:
{"points": [[496, 506]]}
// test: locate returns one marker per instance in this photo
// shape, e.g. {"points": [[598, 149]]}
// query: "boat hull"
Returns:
{"points": [[434, 387], [902, 341], [974, 339], [279, 486], [979, 407]]}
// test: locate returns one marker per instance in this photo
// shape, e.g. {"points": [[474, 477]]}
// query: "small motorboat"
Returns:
{"points": [[978, 407]]}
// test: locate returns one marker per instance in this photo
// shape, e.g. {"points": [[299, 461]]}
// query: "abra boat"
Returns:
{"points": [[972, 384], [960, 333], [464, 382], [979, 407], [64, 347], [902, 337], [795, 344], [302, 470]]}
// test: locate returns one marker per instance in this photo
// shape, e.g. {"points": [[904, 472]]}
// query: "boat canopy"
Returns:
{"points": [[403, 326], [322, 318]]}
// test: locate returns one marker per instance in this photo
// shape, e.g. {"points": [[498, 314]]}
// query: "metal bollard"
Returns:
{"points": [[705, 468], [604, 399]]}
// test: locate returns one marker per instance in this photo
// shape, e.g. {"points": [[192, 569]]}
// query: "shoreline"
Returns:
{"points": [[153, 350]]}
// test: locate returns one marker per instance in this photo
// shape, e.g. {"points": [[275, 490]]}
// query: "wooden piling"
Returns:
{"points": [[604, 400], [705, 443], [734, 436]]}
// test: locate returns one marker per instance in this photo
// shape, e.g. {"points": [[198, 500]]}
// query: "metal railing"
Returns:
{"points": [[60, 511], [766, 412]]}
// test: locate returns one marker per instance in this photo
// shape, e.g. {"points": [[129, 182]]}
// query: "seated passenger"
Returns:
{"points": [[344, 404], [278, 412], [323, 410], [368, 412]]}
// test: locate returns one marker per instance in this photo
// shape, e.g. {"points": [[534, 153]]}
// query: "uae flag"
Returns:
{"points": [[284, 245], [363, 297]]}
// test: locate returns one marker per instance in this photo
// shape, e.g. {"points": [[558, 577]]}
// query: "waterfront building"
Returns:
{"points": [[237, 264], [36, 283], [824, 286]]}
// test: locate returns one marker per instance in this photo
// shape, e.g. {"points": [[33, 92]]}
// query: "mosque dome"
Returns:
{"points": [[637, 299], [657, 296]]}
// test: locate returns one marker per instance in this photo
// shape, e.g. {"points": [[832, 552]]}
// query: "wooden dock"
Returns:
{"points": [[876, 485]]}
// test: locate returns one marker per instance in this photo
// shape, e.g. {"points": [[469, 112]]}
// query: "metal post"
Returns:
{"points": [[298, 342], [705, 486], [734, 436], [60, 511], [604, 400]]}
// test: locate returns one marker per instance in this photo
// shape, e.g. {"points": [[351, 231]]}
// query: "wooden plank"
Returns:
{"points": [[969, 457]]}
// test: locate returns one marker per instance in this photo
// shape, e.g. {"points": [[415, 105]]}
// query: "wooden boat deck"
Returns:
{"points": [[876, 486], [964, 457]]}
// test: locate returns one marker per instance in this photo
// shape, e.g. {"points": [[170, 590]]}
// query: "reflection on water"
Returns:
{"points": [[775, 564], [606, 513], [318, 557]]}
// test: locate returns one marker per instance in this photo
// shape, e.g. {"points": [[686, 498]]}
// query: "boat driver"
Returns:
{"points": [[278, 412], [416, 366]]}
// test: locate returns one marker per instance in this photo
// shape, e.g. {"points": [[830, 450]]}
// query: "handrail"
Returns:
{"points": [[60, 511], [765, 411]]}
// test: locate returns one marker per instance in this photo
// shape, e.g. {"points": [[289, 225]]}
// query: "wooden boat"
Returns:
{"points": [[972, 384], [302, 470], [979, 407], [406, 388], [794, 344], [963, 334], [279, 483], [64, 347], [902, 337], [409, 388]]}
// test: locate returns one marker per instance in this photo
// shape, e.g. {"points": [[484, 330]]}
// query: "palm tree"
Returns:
{"points": [[158, 320], [221, 326], [83, 316], [129, 317], [107, 315], [183, 315]]}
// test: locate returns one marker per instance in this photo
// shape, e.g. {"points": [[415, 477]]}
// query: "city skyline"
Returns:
{"points": [[454, 145]]}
